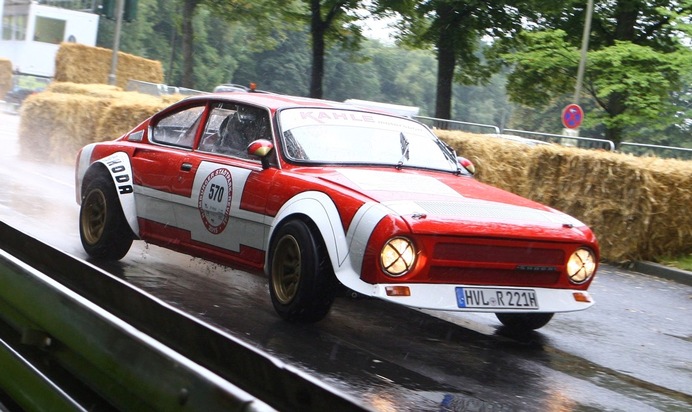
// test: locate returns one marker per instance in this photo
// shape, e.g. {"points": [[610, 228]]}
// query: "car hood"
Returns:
{"points": [[444, 203]]}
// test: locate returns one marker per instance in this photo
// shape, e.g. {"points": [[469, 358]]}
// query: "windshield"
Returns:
{"points": [[337, 136]]}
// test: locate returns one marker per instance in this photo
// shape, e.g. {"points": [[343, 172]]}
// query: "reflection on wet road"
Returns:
{"points": [[630, 352]]}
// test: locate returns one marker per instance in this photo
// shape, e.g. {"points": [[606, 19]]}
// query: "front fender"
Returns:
{"points": [[120, 170], [345, 249]]}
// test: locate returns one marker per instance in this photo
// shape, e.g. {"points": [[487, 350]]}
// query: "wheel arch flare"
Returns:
{"points": [[119, 168], [346, 250]]}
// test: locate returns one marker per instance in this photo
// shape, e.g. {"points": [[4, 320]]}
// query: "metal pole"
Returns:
{"points": [[584, 49], [119, 7], [2, 18]]}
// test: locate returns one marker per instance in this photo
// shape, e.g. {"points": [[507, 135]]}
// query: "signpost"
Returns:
{"points": [[572, 116]]}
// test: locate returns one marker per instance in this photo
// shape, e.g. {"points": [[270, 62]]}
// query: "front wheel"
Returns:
{"points": [[302, 284], [103, 229], [524, 321]]}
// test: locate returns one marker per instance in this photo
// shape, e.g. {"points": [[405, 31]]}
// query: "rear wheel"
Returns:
{"points": [[302, 283], [103, 229], [524, 321]]}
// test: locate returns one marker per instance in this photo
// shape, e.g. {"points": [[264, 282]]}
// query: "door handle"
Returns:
{"points": [[186, 167]]}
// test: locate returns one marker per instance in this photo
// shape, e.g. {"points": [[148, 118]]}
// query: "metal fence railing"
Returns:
{"points": [[157, 89], [640, 149], [575, 141], [457, 125]]}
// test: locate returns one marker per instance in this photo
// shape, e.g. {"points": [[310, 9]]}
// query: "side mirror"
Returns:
{"points": [[261, 148], [467, 165]]}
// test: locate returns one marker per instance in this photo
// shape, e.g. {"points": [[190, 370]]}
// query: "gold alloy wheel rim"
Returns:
{"points": [[286, 269], [94, 217]]}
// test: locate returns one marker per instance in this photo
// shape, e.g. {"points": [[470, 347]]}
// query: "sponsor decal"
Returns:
{"points": [[214, 201], [120, 173]]}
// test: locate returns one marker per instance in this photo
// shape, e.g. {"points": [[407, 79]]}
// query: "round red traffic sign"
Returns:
{"points": [[572, 115]]}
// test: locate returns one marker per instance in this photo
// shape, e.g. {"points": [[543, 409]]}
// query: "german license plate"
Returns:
{"points": [[496, 298]]}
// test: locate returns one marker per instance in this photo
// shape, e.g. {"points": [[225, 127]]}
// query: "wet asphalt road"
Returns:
{"points": [[632, 351]]}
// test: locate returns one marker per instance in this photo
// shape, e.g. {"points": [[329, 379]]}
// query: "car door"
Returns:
{"points": [[159, 168], [225, 214]]}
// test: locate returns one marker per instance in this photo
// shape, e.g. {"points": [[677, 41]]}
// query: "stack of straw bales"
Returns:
{"points": [[639, 207], [5, 77], [78, 63], [56, 123]]}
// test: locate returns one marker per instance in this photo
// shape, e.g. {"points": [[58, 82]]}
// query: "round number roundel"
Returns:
{"points": [[214, 201]]}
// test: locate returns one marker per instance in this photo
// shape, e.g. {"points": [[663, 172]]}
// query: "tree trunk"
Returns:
{"points": [[450, 18], [616, 106], [188, 79], [317, 29], [446, 62], [626, 13]]}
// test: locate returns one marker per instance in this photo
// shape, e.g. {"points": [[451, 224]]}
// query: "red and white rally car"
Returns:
{"points": [[319, 194]]}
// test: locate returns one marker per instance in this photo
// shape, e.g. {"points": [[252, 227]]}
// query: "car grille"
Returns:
{"points": [[503, 263]]}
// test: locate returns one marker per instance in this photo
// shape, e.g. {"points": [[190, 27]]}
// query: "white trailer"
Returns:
{"points": [[32, 33]]}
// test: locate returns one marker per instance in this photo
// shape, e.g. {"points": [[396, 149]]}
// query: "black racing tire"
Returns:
{"points": [[524, 321], [302, 284], [103, 229]]}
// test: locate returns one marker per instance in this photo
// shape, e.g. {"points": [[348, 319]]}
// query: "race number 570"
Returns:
{"points": [[216, 192]]}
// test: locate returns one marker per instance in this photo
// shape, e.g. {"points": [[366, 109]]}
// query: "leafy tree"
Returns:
{"points": [[454, 28], [263, 16], [407, 77], [330, 21], [283, 69], [636, 62]]}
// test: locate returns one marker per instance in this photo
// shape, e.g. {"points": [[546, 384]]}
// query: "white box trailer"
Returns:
{"points": [[32, 33]]}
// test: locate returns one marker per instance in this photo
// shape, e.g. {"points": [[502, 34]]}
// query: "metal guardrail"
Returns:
{"points": [[641, 149], [79, 337], [457, 125], [158, 89], [574, 141], [530, 137]]}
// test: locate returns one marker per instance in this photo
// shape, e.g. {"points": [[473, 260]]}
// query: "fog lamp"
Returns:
{"points": [[581, 266], [397, 256]]}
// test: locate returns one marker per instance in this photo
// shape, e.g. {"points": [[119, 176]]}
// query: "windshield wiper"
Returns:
{"points": [[450, 154], [404, 150]]}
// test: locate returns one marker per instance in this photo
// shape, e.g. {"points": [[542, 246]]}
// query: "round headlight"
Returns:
{"points": [[581, 266], [398, 256]]}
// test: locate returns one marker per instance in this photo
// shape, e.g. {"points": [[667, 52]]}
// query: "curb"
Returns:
{"points": [[661, 271]]}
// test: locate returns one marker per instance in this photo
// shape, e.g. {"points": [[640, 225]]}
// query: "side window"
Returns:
{"points": [[231, 128], [179, 128]]}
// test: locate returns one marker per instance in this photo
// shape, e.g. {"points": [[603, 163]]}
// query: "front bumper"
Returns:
{"points": [[444, 297]]}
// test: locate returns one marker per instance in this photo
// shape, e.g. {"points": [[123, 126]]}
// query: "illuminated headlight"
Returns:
{"points": [[581, 266], [398, 256]]}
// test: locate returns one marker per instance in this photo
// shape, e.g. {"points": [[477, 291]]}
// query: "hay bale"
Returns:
{"points": [[124, 114], [93, 90], [5, 77], [638, 207], [483, 150], [79, 63], [54, 126]]}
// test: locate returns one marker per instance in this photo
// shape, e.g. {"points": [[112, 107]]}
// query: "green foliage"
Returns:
{"points": [[630, 85], [546, 66], [643, 77], [284, 69], [635, 67]]}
